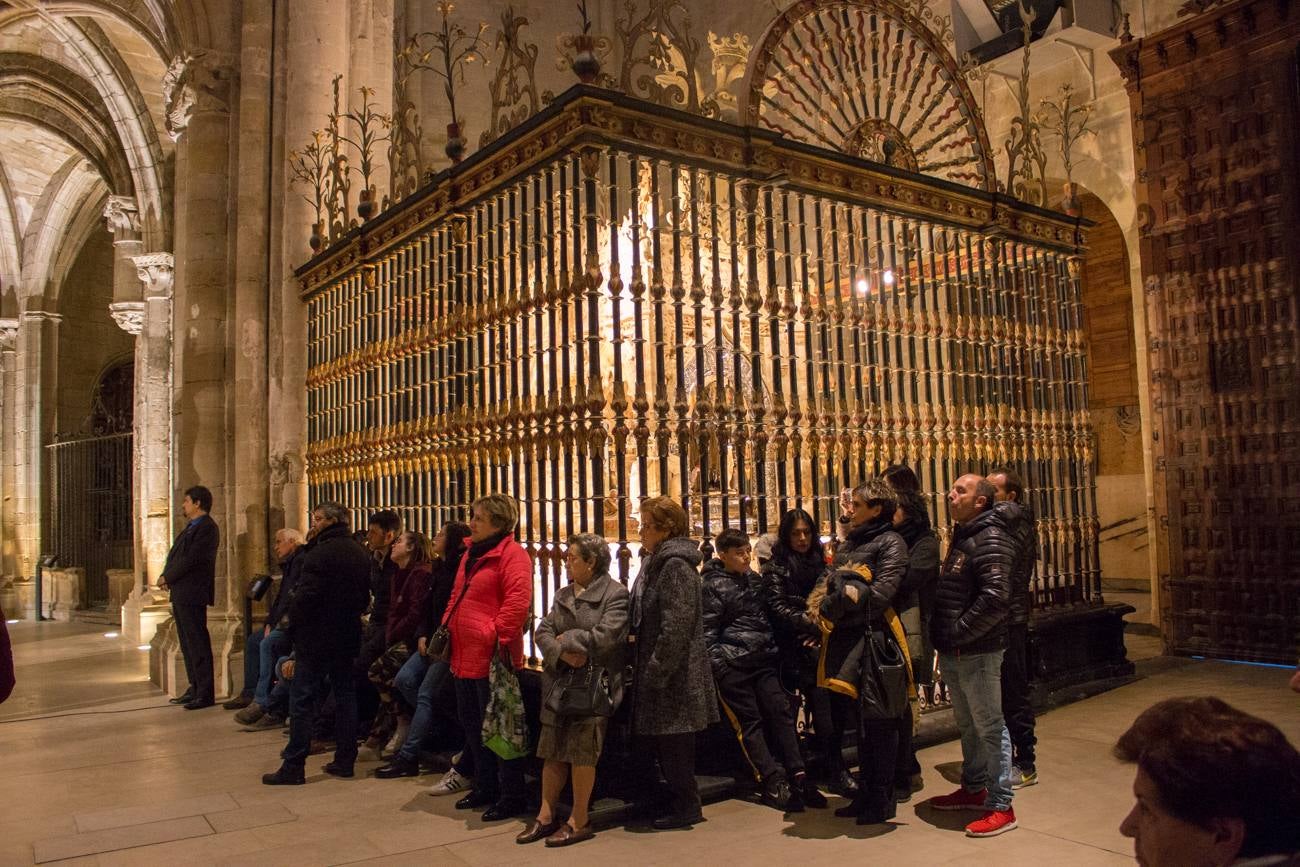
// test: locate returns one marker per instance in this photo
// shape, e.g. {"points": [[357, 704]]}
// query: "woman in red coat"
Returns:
{"points": [[490, 603]]}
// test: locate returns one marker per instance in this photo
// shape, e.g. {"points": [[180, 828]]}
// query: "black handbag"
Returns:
{"points": [[581, 692], [438, 647], [882, 695]]}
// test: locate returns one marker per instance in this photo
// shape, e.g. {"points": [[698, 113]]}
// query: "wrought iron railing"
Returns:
{"points": [[615, 300], [87, 520]]}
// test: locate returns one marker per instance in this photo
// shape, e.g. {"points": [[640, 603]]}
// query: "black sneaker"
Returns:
{"points": [[776, 792], [398, 767], [844, 784], [808, 792], [285, 776]]}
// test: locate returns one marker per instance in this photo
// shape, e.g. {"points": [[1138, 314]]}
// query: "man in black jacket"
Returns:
{"points": [[743, 655], [190, 575], [1016, 708], [325, 626], [268, 642], [969, 629]]}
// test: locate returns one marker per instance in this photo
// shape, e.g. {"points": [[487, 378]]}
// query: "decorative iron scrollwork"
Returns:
{"points": [[660, 57], [514, 87]]}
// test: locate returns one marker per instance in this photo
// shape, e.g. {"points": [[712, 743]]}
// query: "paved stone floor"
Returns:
{"points": [[96, 768]]}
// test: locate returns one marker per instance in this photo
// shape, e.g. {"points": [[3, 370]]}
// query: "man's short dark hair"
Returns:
{"points": [[730, 539], [332, 511], [201, 496], [984, 488], [877, 492], [386, 520], [1013, 485], [1209, 760]]}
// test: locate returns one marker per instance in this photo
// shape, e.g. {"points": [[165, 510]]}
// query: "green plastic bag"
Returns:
{"points": [[505, 731]]}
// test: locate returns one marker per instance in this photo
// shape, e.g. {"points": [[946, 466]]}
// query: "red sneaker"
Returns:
{"points": [[992, 823], [959, 800]]}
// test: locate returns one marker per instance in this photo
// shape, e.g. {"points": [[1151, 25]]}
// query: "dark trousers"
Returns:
{"points": [[905, 765], [312, 680], [493, 776], [754, 700], [1017, 710], [828, 738], [844, 719], [196, 647], [877, 757], [676, 755]]}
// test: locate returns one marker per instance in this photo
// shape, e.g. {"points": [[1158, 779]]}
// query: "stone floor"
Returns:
{"points": [[98, 769]]}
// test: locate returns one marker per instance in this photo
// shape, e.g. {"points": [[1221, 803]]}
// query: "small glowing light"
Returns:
{"points": [[110, 635], [11, 621], [887, 278], [863, 286], [142, 647]]}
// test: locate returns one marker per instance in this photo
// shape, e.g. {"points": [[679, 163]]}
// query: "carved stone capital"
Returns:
{"points": [[8, 334], [122, 215], [129, 315], [155, 271], [195, 82], [39, 316]]}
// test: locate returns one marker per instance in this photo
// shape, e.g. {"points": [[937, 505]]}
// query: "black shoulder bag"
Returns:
{"points": [[882, 694], [439, 645]]}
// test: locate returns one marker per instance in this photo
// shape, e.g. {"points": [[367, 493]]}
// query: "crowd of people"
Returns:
{"points": [[398, 639]]}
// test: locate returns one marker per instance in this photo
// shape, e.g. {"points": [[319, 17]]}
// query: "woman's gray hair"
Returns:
{"points": [[293, 535], [501, 510], [592, 549], [332, 512]]}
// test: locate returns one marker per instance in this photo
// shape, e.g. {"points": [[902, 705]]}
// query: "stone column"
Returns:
{"points": [[122, 215], [36, 387], [150, 320], [315, 48], [8, 467], [198, 95]]}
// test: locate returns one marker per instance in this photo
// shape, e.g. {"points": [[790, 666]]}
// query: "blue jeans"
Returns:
{"points": [[277, 700], [270, 648], [311, 682], [419, 682], [975, 685]]}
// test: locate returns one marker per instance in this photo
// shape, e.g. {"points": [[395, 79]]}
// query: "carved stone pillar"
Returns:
{"points": [[198, 95], [35, 389], [122, 215], [8, 467], [150, 321]]}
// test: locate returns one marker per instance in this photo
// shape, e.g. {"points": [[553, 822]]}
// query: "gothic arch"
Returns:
{"points": [[64, 199], [870, 78]]}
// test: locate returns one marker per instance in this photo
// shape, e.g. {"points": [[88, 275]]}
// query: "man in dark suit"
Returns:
{"points": [[190, 575]]}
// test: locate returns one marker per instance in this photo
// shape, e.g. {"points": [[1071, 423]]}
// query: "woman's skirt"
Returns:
{"points": [[574, 741]]}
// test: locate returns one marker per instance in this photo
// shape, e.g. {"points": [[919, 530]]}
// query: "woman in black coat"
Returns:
{"points": [[860, 591], [796, 567], [673, 694]]}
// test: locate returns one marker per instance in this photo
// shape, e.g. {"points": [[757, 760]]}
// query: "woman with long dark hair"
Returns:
{"points": [[421, 678], [797, 564]]}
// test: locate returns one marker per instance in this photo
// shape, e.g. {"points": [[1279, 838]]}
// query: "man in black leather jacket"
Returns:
{"points": [[969, 629], [1016, 708], [324, 615], [743, 655]]}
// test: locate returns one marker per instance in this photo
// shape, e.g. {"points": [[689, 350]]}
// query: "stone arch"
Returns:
{"points": [[54, 97], [152, 20], [65, 197], [819, 76], [11, 245]]}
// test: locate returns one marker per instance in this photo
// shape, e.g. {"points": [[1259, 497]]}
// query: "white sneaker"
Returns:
{"points": [[451, 783], [399, 736]]}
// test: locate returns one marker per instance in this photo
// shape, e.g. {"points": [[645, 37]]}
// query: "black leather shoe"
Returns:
{"points": [[852, 808], [184, 698], [674, 820], [475, 801], [506, 808], [338, 769], [286, 776], [808, 791], [398, 768], [200, 704]]}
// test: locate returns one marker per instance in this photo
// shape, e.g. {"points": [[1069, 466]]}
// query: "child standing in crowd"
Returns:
{"points": [[743, 654]]}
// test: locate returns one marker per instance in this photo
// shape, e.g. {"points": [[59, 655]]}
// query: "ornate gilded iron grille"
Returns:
{"points": [[616, 300]]}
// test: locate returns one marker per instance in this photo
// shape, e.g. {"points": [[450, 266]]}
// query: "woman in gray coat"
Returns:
{"points": [[586, 624], [673, 687]]}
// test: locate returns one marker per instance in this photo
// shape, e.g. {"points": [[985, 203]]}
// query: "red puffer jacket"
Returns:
{"points": [[494, 610]]}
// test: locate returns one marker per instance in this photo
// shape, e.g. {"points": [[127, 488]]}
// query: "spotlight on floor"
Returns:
{"points": [[110, 635]]}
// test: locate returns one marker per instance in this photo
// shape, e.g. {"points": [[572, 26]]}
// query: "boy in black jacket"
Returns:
{"points": [[743, 654]]}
